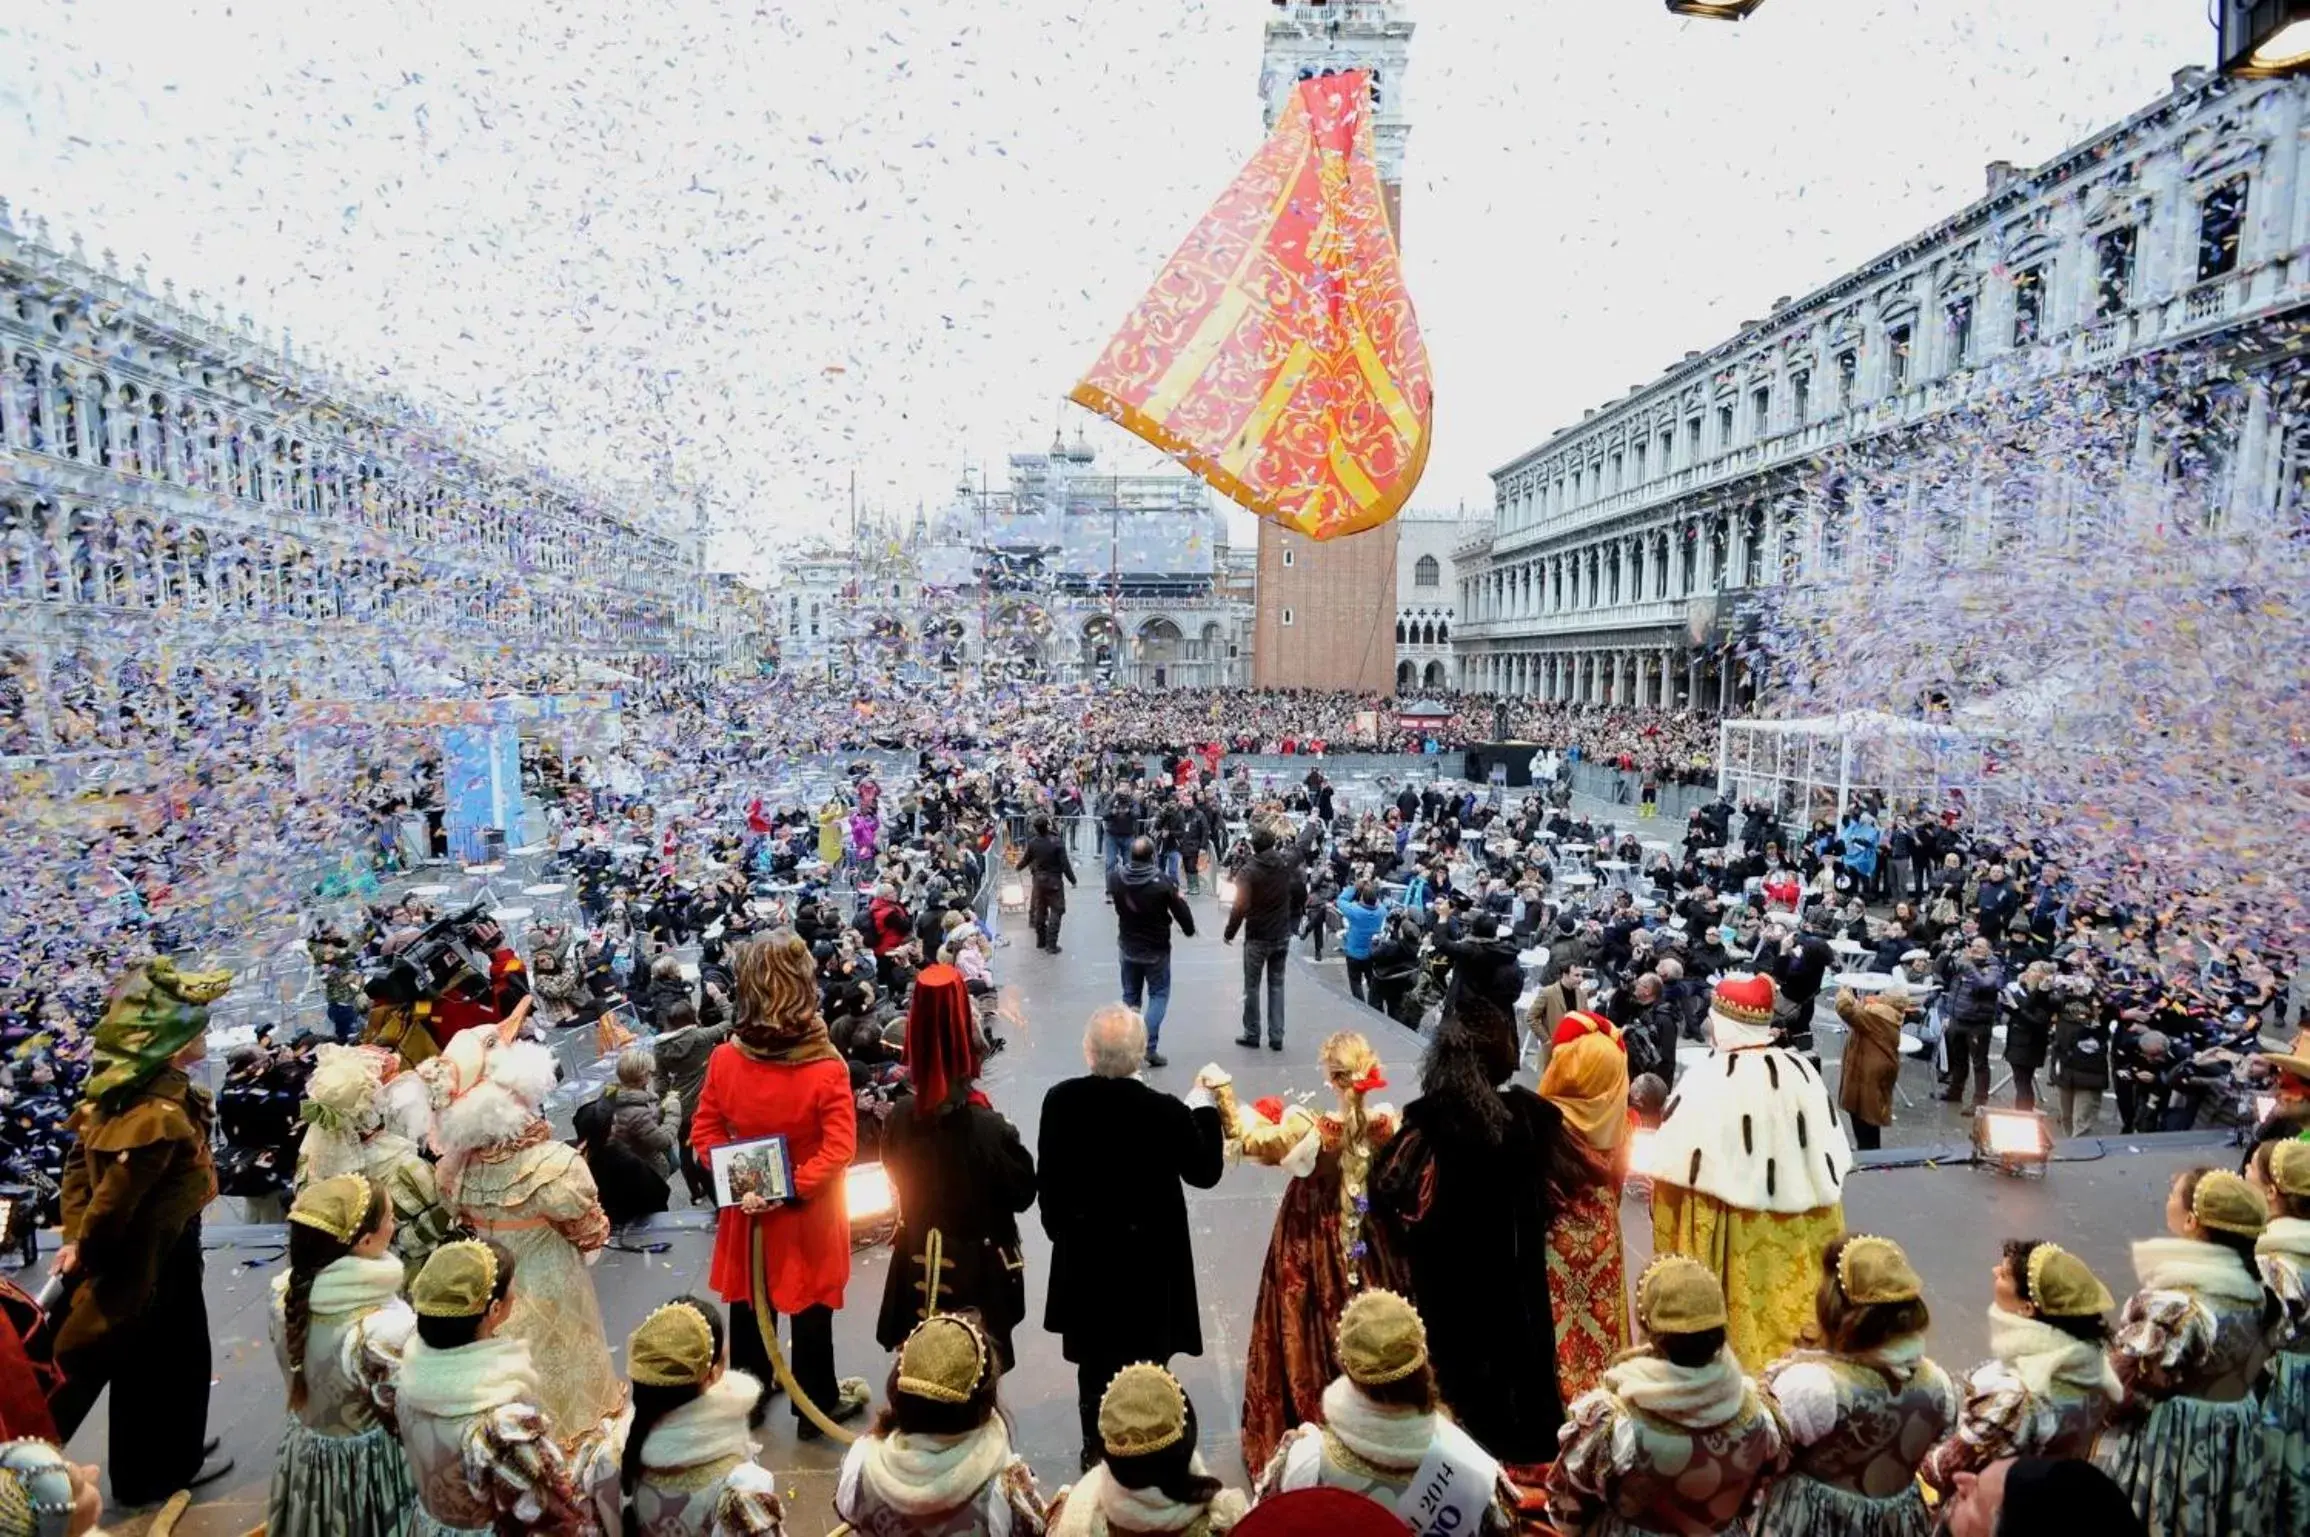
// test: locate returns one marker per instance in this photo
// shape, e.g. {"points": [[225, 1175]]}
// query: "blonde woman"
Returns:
{"points": [[1322, 1252]]}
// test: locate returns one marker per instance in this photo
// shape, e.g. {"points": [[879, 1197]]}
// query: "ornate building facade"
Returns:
{"points": [[1061, 574], [194, 520], [1623, 550]]}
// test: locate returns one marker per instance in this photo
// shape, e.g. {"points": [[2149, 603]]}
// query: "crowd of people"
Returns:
{"points": [[1444, 1285]]}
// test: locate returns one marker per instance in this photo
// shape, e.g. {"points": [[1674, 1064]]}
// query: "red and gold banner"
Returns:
{"points": [[1277, 355]]}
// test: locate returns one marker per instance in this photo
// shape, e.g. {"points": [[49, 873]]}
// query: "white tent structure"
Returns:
{"points": [[1811, 766]]}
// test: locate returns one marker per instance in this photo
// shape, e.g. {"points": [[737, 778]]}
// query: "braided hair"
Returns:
{"points": [[312, 1251]]}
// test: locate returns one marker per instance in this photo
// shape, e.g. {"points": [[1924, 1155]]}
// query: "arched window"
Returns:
{"points": [[160, 463], [1403, 675], [132, 430], [66, 389], [100, 418], [1400, 633], [1443, 632], [35, 413], [1427, 634], [1426, 572]]}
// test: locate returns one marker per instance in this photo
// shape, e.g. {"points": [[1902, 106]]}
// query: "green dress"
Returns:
{"points": [[2190, 1450]]}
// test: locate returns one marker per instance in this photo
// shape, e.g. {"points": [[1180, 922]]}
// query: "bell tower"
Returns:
{"points": [[1306, 38], [1325, 613]]}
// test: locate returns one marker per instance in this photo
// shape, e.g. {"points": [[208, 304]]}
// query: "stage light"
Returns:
{"points": [[1713, 10], [2265, 37], [1226, 889], [2012, 1141], [1643, 1143], [2265, 1105], [1014, 896], [866, 1189]]}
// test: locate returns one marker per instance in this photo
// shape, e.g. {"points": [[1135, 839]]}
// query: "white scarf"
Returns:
{"points": [[2194, 1265], [931, 1475], [2287, 1238], [468, 1379], [2042, 1356], [709, 1428], [355, 1285], [1392, 1440], [1098, 1504], [1696, 1397]]}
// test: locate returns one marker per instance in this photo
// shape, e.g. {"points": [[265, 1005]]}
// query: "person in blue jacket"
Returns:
{"points": [[1366, 913]]}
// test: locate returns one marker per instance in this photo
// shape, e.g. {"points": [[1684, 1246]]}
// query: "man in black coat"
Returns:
{"points": [[1484, 964], [1270, 895], [1049, 873], [1146, 905], [1110, 1161]]}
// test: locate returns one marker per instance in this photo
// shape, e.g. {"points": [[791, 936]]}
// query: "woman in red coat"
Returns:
{"points": [[781, 1076]]}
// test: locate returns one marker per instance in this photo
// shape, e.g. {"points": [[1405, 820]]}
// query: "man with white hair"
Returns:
{"points": [[1111, 1159]]}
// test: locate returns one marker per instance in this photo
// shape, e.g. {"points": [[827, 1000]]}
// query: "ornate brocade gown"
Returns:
{"points": [[1310, 1274], [536, 1196]]}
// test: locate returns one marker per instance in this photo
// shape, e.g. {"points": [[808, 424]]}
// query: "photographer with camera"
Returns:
{"points": [[454, 974]]}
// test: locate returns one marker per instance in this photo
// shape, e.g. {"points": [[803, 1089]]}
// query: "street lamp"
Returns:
{"points": [[2265, 37], [1713, 10]]}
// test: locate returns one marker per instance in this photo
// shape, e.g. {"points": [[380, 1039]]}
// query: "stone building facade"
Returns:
{"points": [[1623, 549], [1427, 599], [193, 520]]}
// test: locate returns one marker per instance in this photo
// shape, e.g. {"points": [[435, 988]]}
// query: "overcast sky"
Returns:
{"points": [[783, 242]]}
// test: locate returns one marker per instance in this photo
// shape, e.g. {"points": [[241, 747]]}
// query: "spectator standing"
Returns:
{"points": [[1146, 906], [1111, 1158], [1974, 983], [1362, 914], [1270, 895], [1049, 873]]}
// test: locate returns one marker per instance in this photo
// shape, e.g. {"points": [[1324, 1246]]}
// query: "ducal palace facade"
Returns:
{"points": [[1625, 551], [193, 520]]}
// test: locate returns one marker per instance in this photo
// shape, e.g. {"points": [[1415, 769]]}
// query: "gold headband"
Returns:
{"points": [[342, 1226], [449, 1296], [673, 1347], [1873, 1270], [938, 1392], [2227, 1204]]}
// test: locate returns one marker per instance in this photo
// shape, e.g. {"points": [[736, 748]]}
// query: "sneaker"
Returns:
{"points": [[1156, 1058]]}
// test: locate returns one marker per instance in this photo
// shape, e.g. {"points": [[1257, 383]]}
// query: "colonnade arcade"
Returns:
{"points": [[1660, 677]]}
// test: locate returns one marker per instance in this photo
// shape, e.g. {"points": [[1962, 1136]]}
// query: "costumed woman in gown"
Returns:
{"points": [[1676, 1438], [1469, 1188], [2049, 1386], [363, 1115], [339, 1326], [2188, 1445], [1587, 1081], [939, 1462], [1863, 1411], [1749, 1172], [2282, 1170], [688, 1468], [508, 1179], [1322, 1251]]}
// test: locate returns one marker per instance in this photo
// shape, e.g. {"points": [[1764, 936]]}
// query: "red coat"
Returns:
{"points": [[807, 1254]]}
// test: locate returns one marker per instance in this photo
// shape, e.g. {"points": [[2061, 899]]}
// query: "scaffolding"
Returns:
{"points": [[1811, 768]]}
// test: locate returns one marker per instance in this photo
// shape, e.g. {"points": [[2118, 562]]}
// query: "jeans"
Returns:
{"points": [[1269, 956], [346, 1020], [1358, 968], [1173, 870], [1155, 977]]}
